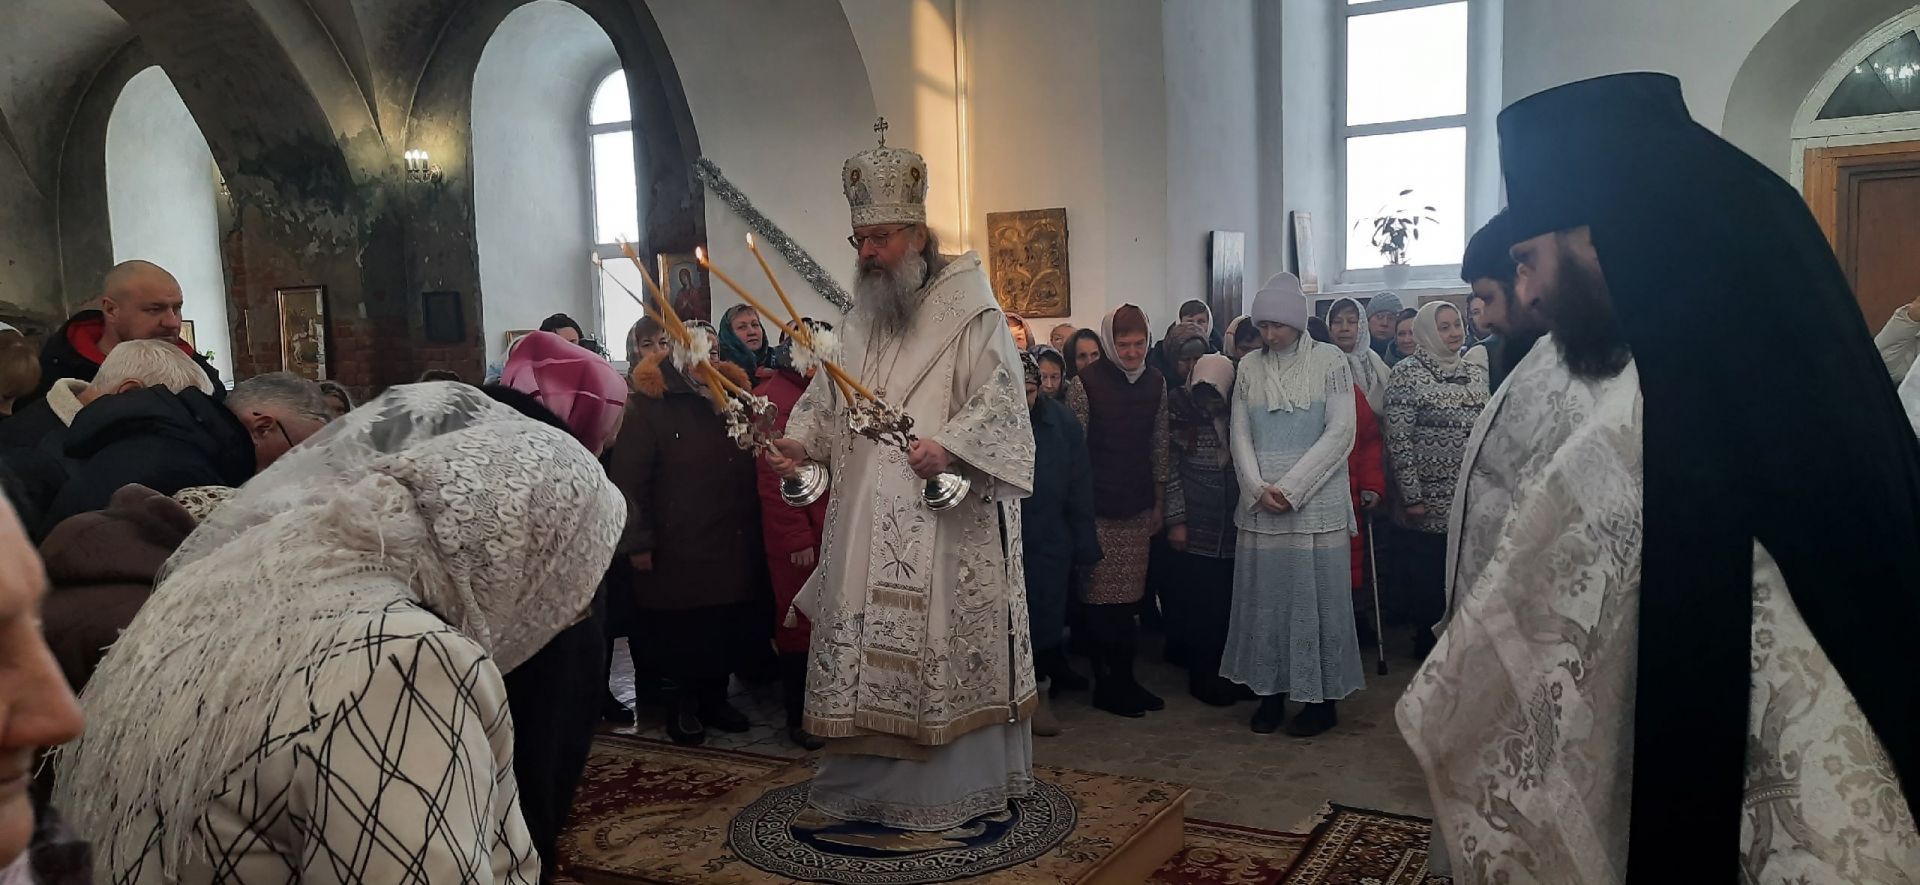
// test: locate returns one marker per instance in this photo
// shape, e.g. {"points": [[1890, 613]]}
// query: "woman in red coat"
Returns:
{"points": [[1367, 476], [793, 545]]}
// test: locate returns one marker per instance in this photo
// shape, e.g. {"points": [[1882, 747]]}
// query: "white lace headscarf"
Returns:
{"points": [[1361, 359], [403, 416], [501, 528]]}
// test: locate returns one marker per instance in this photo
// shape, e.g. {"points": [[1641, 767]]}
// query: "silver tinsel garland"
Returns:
{"points": [[764, 228]]}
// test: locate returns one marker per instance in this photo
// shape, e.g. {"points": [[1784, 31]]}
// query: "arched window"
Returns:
{"points": [[616, 209], [161, 190], [1871, 94], [1885, 82]]}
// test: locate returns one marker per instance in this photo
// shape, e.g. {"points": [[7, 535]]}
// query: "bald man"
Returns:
{"points": [[139, 301]]}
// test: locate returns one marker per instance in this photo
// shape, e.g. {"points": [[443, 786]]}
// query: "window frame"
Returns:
{"points": [[1809, 131], [1473, 123], [616, 349]]}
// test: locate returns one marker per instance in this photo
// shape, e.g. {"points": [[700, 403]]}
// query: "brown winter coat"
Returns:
{"points": [[100, 566], [692, 497]]}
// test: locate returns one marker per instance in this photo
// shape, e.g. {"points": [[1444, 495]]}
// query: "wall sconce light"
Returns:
{"points": [[420, 169]]}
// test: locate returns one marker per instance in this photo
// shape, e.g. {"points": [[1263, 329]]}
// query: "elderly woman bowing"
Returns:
{"points": [[314, 691]]}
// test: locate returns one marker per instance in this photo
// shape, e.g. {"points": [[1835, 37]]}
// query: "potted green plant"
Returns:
{"points": [[1394, 230]]}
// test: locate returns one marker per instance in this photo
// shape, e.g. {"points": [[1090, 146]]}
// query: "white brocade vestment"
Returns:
{"points": [[1522, 717], [920, 618]]}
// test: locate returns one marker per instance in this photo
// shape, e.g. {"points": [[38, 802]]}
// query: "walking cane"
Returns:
{"points": [[1379, 633]]}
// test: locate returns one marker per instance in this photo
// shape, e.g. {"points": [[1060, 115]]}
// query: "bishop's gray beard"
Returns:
{"points": [[885, 299]]}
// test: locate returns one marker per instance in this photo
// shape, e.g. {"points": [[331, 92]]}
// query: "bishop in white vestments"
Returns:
{"points": [[1681, 584], [921, 667]]}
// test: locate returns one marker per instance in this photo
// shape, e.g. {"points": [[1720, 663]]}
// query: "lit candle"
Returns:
{"points": [[668, 316], [700, 255], [806, 339]]}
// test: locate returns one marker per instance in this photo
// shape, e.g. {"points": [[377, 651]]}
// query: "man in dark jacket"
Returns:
{"points": [[33, 441], [1056, 525], [169, 441], [140, 300]]}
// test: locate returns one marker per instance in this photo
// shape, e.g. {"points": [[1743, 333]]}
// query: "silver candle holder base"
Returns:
{"points": [[806, 487], [945, 491]]}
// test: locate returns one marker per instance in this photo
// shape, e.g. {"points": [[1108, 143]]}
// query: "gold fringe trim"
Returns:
{"points": [[897, 599], [890, 662], [865, 724]]}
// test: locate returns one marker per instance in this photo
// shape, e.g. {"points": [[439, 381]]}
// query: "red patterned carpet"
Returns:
{"points": [[632, 784]]}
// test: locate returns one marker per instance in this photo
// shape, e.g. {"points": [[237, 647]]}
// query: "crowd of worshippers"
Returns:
{"points": [[365, 613]]}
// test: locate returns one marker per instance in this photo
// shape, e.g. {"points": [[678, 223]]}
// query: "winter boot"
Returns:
{"points": [[1272, 713], [1313, 719]]}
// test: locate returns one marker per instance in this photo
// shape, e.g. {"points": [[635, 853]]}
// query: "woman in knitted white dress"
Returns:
{"points": [[1292, 632]]}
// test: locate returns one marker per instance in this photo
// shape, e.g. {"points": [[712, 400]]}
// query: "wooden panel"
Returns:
{"points": [[1867, 200], [1821, 182], [1881, 215], [1226, 269]]}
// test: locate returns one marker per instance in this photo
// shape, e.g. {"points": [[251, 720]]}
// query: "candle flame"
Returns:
{"points": [[700, 254]]}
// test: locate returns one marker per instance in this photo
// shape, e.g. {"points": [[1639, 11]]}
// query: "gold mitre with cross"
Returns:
{"points": [[886, 185]]}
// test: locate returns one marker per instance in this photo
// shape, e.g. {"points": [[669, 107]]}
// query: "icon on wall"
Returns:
{"points": [[186, 334], [1027, 257], [303, 331], [686, 283]]}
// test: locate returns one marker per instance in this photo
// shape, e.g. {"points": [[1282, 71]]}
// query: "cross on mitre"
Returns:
{"points": [[880, 127]]}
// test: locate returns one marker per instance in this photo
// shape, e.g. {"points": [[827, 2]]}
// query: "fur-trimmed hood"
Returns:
{"points": [[653, 378]]}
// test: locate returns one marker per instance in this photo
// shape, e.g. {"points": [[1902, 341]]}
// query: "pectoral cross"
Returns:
{"points": [[880, 127]]}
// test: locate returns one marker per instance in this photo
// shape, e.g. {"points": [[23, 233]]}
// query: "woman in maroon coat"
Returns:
{"points": [[693, 540], [793, 545]]}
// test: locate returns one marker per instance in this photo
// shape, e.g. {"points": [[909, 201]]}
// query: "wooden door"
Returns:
{"points": [[1867, 199]]}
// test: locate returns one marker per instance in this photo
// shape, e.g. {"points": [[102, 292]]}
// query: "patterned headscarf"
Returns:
{"points": [[581, 388], [1426, 333], [1126, 319], [1031, 364], [735, 351], [501, 529]]}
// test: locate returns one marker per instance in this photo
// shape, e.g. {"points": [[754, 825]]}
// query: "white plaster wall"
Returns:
{"points": [[1702, 42], [160, 201], [533, 216], [781, 99], [1068, 108], [1786, 66], [1215, 166], [1303, 101], [909, 50]]}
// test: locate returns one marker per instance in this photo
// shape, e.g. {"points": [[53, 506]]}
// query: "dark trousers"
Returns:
{"points": [[1115, 639], [1163, 577], [1198, 605], [793, 685], [555, 704], [1423, 584]]}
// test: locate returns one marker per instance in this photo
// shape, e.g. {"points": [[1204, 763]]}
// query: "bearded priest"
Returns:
{"points": [[921, 668]]}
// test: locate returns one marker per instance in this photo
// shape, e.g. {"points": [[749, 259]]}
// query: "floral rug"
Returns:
{"points": [[635, 786], [1353, 846]]}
